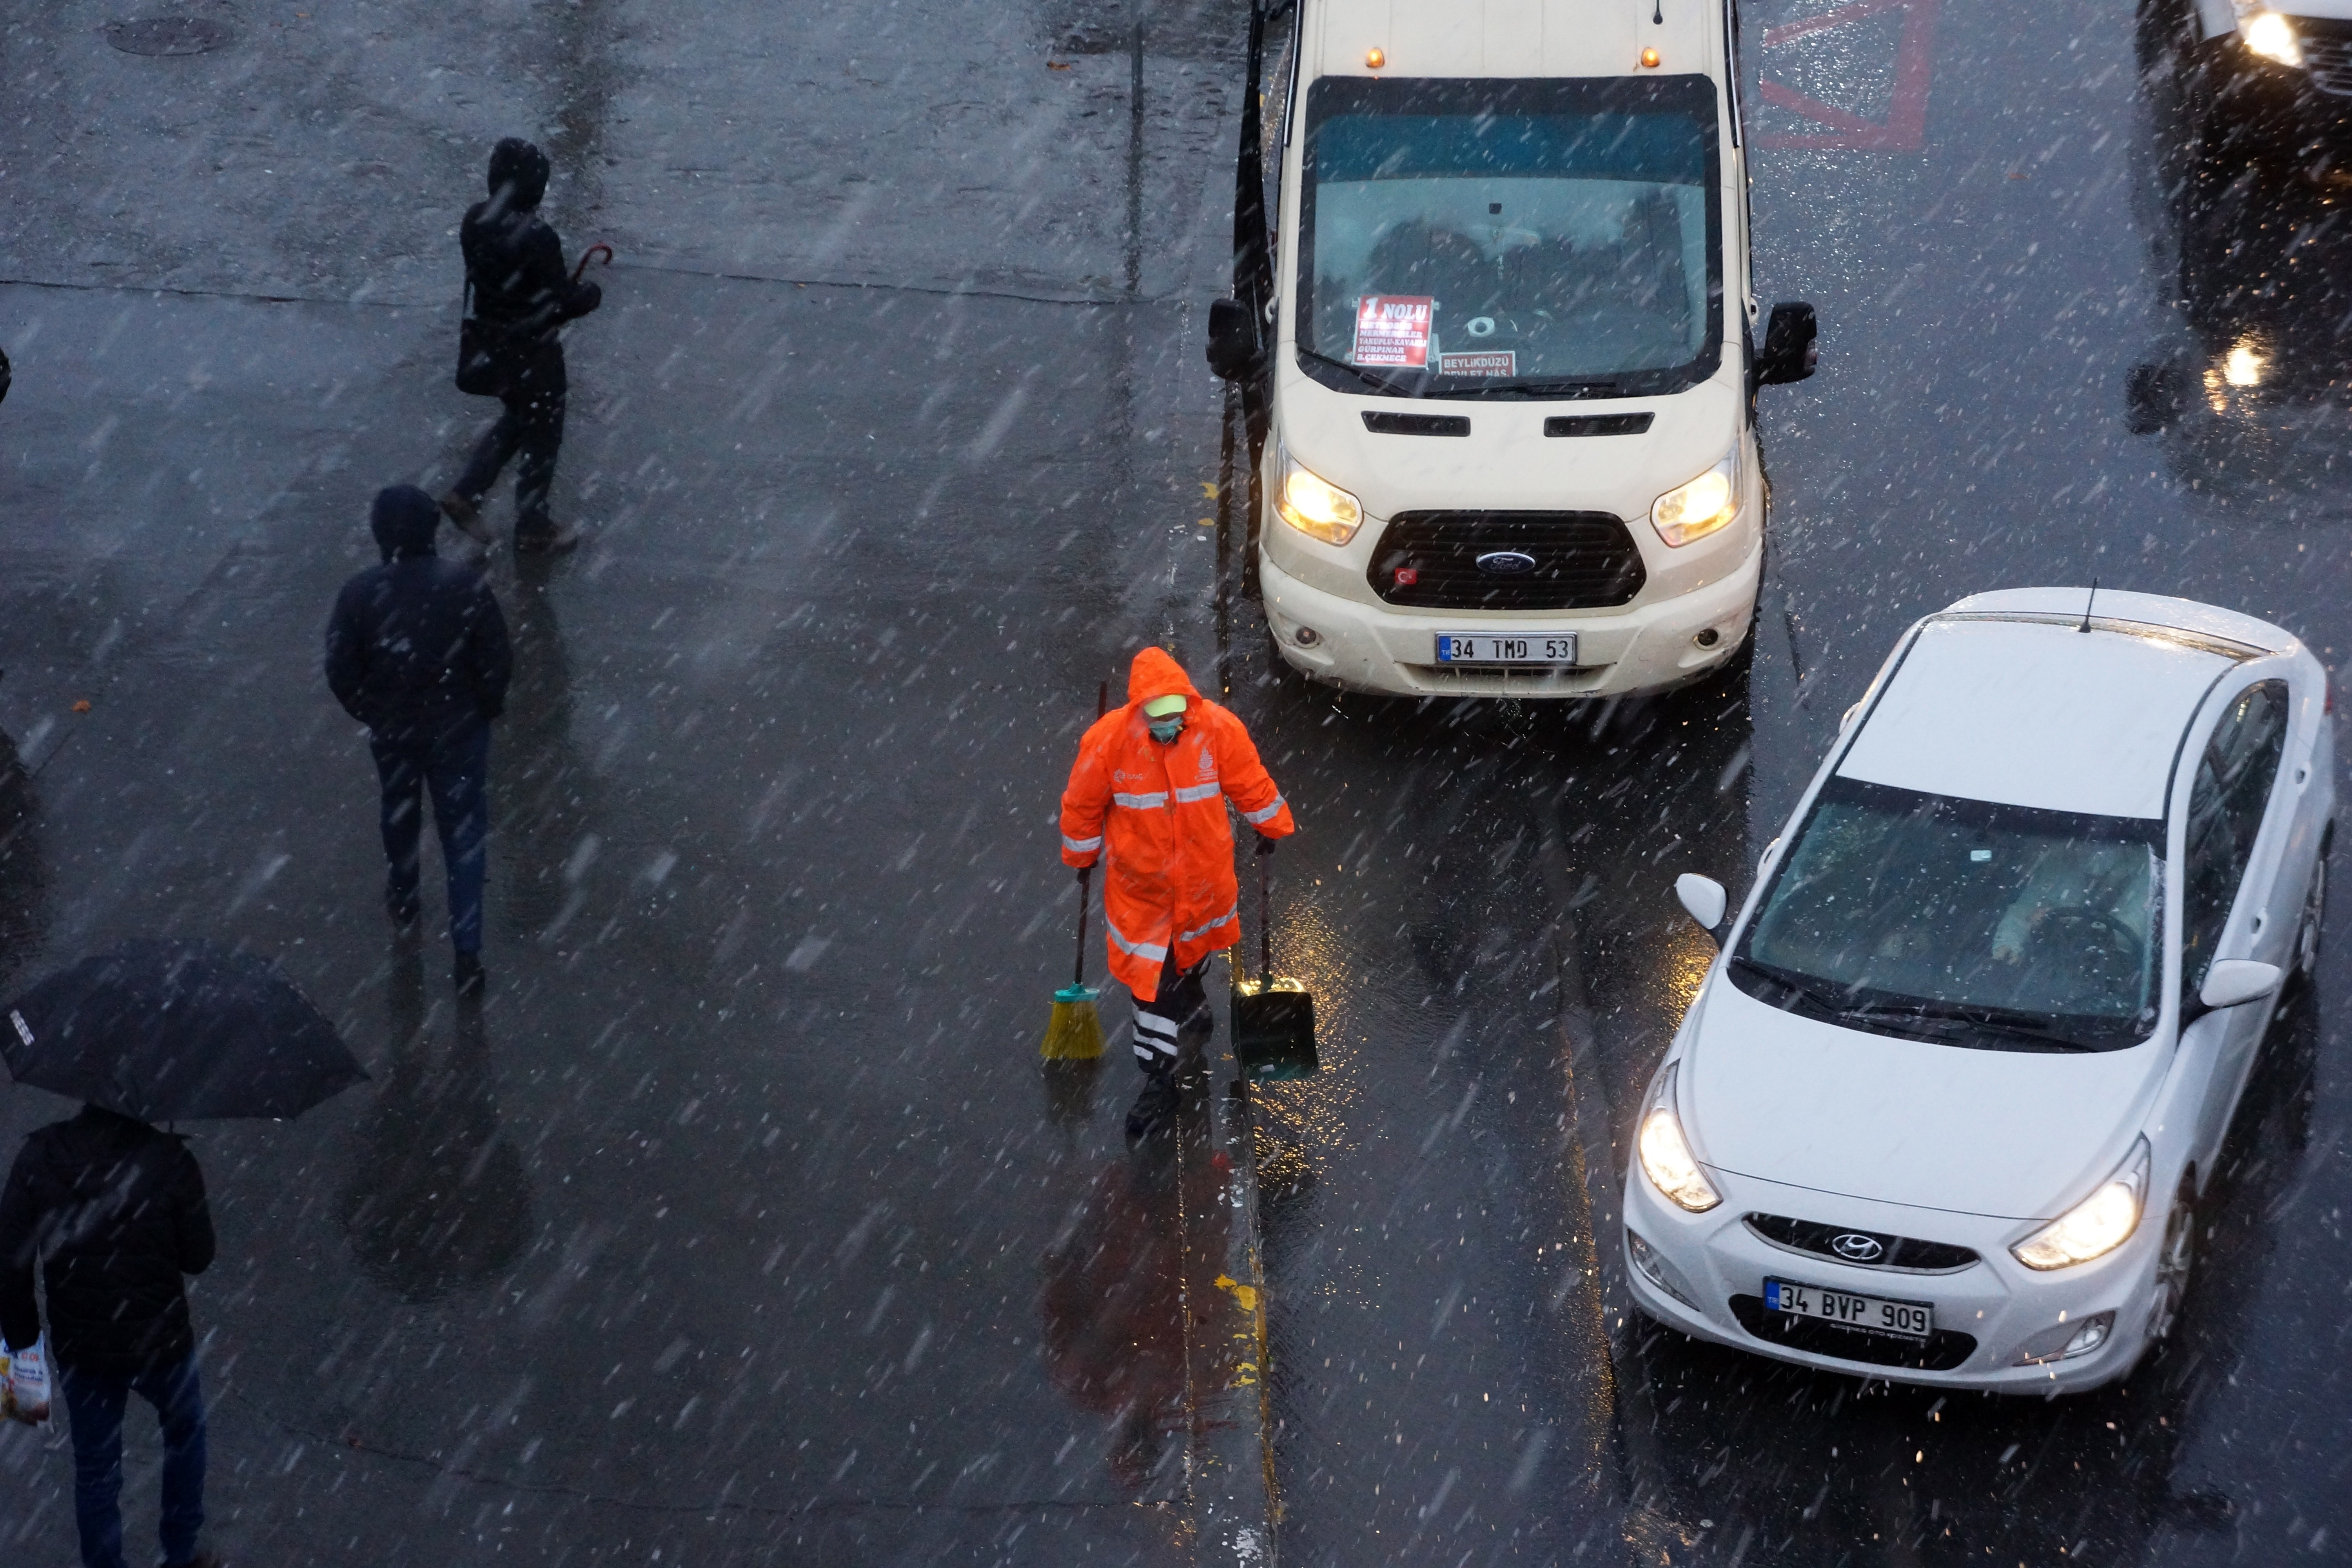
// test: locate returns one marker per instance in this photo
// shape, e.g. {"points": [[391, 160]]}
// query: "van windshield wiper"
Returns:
{"points": [[1371, 378], [1587, 387]]}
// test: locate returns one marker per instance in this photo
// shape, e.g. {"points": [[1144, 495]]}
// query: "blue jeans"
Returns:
{"points": [[94, 1402], [454, 767]]}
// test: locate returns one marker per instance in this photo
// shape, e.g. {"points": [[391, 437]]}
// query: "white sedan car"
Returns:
{"points": [[1944, 1108]]}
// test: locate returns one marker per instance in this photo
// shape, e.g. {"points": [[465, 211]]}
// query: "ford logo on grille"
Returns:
{"points": [[1856, 1247], [1506, 563]]}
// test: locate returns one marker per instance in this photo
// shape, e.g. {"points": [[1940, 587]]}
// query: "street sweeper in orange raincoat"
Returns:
{"points": [[1146, 796]]}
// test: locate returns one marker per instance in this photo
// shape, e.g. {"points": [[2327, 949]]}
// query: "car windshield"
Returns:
{"points": [[1510, 237], [1957, 920]]}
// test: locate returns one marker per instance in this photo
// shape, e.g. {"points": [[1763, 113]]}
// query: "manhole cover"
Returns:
{"points": [[167, 36]]}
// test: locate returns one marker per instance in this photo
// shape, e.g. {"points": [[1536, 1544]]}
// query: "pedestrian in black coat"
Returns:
{"points": [[112, 1214], [417, 651], [522, 295]]}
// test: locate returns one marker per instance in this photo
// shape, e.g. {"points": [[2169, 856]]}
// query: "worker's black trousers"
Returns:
{"points": [[1180, 998]]}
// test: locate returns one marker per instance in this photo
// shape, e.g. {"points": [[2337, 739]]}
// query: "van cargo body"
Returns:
{"points": [[1506, 362]]}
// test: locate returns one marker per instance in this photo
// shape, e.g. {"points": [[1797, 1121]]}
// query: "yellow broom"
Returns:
{"points": [[1075, 1033]]}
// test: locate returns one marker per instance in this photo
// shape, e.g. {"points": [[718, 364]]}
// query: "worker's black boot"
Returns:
{"points": [[1154, 1108]]}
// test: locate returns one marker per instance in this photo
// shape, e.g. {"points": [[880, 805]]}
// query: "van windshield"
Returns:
{"points": [[1510, 237], [1967, 923]]}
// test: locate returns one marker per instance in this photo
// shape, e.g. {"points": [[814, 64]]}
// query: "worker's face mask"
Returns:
{"points": [[1165, 730]]}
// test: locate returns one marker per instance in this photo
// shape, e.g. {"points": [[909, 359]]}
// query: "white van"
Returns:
{"points": [[1503, 338]]}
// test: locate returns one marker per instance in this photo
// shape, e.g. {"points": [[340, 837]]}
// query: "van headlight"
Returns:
{"points": [[1702, 507], [1666, 1158], [2268, 33], [1313, 505], [2097, 1226]]}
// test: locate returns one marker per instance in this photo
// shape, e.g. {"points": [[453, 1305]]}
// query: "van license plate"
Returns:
{"points": [[1873, 1314], [1553, 649]]}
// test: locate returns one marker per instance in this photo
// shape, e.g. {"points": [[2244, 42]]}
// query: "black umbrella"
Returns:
{"points": [[169, 1031]]}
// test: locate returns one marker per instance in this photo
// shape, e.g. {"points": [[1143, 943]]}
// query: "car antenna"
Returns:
{"points": [[2086, 607]]}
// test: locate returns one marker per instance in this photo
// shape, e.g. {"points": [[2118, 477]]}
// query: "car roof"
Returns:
{"points": [[2036, 712]]}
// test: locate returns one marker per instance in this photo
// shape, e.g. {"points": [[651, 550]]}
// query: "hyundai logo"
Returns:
{"points": [[1506, 563], [1856, 1247]]}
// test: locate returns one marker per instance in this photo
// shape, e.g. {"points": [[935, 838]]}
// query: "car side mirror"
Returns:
{"points": [[2233, 981], [1791, 345], [1703, 897], [1233, 340]]}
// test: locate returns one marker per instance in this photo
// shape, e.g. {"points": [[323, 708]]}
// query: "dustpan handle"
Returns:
{"points": [[1264, 920]]}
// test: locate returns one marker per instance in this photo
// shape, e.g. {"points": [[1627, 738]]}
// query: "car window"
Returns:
{"points": [[1925, 916], [2226, 803]]}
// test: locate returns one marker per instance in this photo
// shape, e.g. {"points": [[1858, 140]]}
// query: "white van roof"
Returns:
{"points": [[1513, 38]]}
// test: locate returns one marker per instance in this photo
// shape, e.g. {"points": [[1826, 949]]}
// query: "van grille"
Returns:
{"points": [[2327, 53], [1580, 561]]}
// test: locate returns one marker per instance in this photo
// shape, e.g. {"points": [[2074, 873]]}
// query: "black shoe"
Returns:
{"points": [[469, 974], [552, 542], [404, 909], [1152, 1108]]}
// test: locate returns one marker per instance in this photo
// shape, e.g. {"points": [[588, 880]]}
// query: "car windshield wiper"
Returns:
{"points": [[2015, 1028], [1828, 1004], [1371, 378], [1836, 1004]]}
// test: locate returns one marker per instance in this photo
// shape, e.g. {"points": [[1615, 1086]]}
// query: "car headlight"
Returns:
{"points": [[2097, 1226], [1666, 1158], [2268, 33], [1708, 503], [1314, 506]]}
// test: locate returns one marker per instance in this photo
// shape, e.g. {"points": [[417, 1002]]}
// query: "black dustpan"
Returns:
{"points": [[1274, 1019]]}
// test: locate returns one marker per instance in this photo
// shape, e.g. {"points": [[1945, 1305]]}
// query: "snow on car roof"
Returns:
{"points": [[2036, 713]]}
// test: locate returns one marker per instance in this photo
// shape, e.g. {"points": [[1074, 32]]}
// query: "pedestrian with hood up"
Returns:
{"points": [[1147, 797], [112, 1212], [417, 652], [520, 295]]}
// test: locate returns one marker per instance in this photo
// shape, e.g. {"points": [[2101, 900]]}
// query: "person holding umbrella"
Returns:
{"points": [[1146, 796], [520, 299], [111, 1212], [114, 1212]]}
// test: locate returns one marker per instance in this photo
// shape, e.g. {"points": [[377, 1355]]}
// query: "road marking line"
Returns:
{"points": [[1905, 127]]}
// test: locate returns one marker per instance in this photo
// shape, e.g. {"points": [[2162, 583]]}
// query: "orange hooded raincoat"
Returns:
{"points": [[1155, 816]]}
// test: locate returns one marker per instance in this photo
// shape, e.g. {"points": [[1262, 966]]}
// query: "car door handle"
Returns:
{"points": [[2261, 920]]}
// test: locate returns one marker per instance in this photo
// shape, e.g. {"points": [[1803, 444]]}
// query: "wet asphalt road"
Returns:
{"points": [[738, 1224]]}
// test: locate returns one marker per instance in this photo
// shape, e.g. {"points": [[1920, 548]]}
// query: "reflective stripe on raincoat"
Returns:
{"points": [[1156, 816]]}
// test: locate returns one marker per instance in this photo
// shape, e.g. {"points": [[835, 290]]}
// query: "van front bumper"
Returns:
{"points": [[1371, 647]]}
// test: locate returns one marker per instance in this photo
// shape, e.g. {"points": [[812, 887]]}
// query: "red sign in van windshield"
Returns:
{"points": [[1393, 330]]}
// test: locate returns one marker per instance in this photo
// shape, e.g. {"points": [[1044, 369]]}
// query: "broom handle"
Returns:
{"points": [[1078, 970]]}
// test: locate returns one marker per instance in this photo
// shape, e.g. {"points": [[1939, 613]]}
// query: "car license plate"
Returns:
{"points": [[1548, 649], [1873, 1314]]}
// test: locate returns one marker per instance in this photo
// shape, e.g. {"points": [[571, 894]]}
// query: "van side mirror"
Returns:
{"points": [[1703, 897], [1792, 346], [1233, 340], [2233, 981]]}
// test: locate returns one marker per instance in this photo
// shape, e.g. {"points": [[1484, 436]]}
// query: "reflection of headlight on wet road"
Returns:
{"points": [[2271, 36], [2243, 366]]}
